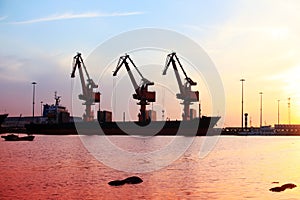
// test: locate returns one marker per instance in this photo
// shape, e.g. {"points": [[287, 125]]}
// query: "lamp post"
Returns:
{"points": [[242, 123], [260, 109], [289, 110], [33, 98], [278, 111]]}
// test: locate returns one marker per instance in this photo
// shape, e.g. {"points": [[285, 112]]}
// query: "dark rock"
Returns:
{"points": [[129, 180], [289, 186], [133, 180], [116, 183], [283, 187], [277, 189]]}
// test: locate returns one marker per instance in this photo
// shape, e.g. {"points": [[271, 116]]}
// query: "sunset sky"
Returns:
{"points": [[258, 40]]}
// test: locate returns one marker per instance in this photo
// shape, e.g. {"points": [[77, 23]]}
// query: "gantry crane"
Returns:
{"points": [[141, 91], [185, 94], [88, 95]]}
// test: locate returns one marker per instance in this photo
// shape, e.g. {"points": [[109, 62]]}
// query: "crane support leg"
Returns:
{"points": [[87, 117], [186, 110], [142, 115]]}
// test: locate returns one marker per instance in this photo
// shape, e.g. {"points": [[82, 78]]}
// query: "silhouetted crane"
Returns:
{"points": [[185, 94], [141, 91], [88, 95]]}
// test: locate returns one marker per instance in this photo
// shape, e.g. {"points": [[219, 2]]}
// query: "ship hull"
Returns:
{"points": [[196, 127]]}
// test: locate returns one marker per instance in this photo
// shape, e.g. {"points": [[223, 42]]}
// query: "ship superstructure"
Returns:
{"points": [[56, 113]]}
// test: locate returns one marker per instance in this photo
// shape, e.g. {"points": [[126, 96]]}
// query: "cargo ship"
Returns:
{"points": [[58, 121], [195, 127]]}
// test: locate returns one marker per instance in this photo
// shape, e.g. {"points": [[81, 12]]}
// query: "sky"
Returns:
{"points": [[257, 40]]}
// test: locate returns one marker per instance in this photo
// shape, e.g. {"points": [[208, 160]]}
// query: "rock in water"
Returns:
{"points": [[129, 180], [133, 180], [277, 189], [283, 187], [289, 186], [116, 183]]}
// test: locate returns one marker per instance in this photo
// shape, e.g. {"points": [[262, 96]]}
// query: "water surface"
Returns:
{"points": [[60, 167]]}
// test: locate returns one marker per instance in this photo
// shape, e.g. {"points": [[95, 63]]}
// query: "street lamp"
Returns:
{"points": [[278, 111], [260, 108], [242, 123], [289, 109], [33, 98]]}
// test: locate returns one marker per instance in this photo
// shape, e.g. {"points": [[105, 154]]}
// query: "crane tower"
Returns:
{"points": [[185, 92], [88, 95], [141, 91]]}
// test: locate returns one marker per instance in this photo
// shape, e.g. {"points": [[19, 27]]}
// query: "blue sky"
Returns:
{"points": [[257, 40], [48, 23]]}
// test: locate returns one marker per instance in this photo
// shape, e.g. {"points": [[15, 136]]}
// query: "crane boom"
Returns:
{"points": [[122, 61], [170, 59], [77, 64], [188, 79]]}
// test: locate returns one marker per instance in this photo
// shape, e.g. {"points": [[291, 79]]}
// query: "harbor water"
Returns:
{"points": [[238, 167]]}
